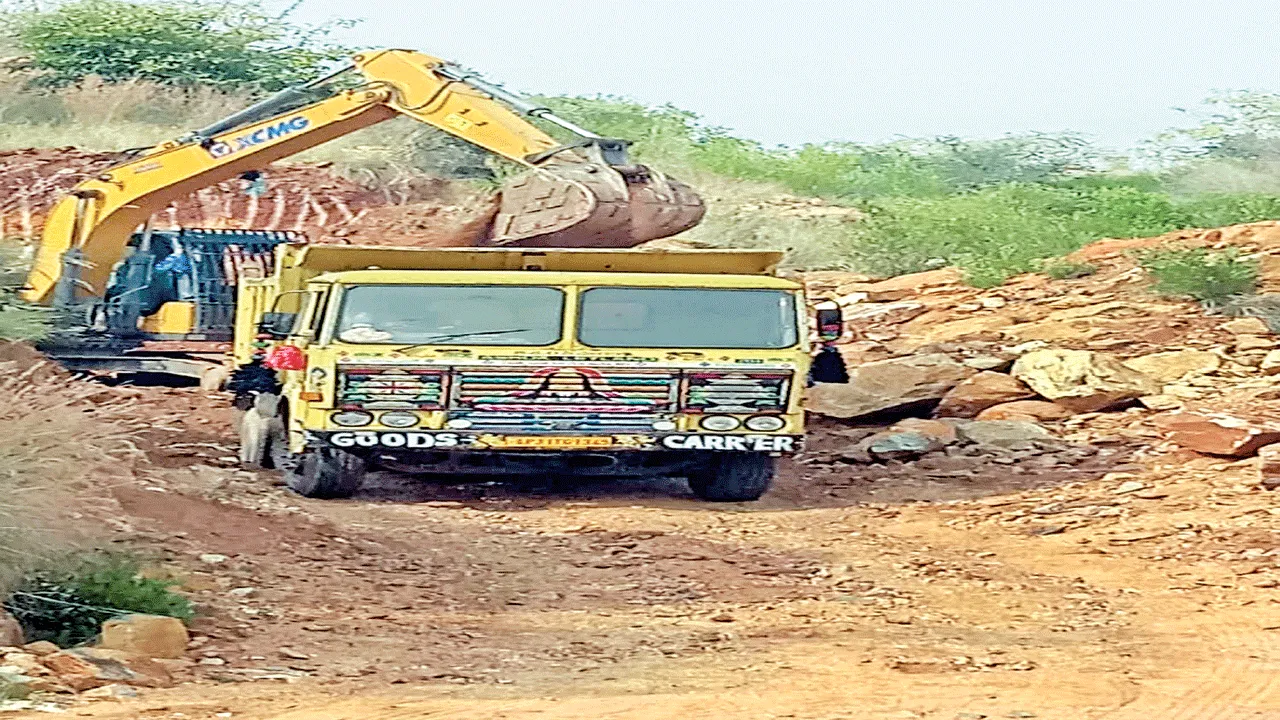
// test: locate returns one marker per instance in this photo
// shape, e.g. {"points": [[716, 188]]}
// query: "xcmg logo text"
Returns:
{"points": [[222, 148]]}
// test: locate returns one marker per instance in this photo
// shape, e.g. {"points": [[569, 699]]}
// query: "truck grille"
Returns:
{"points": [[389, 388], [560, 399], [582, 391], [736, 392], [505, 422]]}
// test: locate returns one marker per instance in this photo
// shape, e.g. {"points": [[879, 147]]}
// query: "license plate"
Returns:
{"points": [[551, 442]]}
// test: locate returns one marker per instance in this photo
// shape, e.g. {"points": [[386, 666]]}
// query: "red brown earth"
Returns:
{"points": [[309, 198], [1107, 572]]}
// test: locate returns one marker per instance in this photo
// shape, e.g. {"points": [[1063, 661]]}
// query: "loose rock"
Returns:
{"points": [[154, 636], [1269, 466], [114, 691], [980, 392], [1218, 432], [888, 384], [1031, 410], [40, 648], [1246, 326], [85, 668], [1007, 434], [10, 631], [1082, 380], [1270, 364], [1175, 365]]}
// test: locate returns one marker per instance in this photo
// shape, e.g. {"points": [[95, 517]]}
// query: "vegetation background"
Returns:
{"points": [[114, 74]]}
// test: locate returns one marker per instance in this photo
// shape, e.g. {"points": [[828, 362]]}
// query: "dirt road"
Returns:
{"points": [[999, 594]]}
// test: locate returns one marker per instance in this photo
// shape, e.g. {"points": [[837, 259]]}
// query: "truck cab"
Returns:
{"points": [[511, 362]]}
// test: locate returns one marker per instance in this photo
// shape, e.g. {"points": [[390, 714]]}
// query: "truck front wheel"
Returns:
{"points": [[732, 477], [326, 473]]}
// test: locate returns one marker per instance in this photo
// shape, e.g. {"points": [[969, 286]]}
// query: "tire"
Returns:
{"points": [[736, 477], [277, 455], [326, 473]]}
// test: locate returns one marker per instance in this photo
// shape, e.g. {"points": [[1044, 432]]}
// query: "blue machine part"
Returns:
{"points": [[199, 266]]}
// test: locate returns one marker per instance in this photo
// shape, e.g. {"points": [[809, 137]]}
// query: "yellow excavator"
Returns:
{"points": [[131, 294]]}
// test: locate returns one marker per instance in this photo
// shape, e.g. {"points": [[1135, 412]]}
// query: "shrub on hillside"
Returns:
{"points": [[68, 607], [1061, 269], [1199, 273], [234, 45], [1221, 209]]}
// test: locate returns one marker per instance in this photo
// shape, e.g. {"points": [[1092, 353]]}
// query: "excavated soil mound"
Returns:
{"points": [[310, 198]]}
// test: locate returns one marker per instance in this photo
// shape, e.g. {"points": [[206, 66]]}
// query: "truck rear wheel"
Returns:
{"points": [[326, 473], [733, 477]]}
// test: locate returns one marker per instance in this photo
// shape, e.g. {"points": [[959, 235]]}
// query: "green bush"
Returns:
{"points": [[1060, 269], [69, 607], [1219, 209], [235, 44], [1201, 274]]}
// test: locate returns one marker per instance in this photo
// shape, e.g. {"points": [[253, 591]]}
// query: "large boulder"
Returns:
{"points": [[1082, 380], [1175, 365], [980, 392], [154, 636], [888, 384], [1219, 432]]}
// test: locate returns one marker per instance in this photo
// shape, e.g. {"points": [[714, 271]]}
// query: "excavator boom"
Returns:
{"points": [[587, 194]]}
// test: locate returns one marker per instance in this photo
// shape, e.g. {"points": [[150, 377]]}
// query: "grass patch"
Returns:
{"points": [[69, 607], [18, 320], [1204, 275]]}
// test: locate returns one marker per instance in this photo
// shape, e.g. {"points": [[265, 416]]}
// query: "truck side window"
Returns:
{"points": [[319, 303]]}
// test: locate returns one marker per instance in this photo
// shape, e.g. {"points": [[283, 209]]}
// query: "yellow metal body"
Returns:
{"points": [[173, 318], [306, 274], [100, 214]]}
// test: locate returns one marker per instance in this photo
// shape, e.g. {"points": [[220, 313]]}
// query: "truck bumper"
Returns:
{"points": [[402, 441]]}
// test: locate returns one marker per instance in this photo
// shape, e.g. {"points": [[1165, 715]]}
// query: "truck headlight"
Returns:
{"points": [[719, 423], [765, 423], [398, 419], [351, 418]]}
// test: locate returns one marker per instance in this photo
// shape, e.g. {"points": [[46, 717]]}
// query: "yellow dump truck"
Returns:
{"points": [[521, 361]]}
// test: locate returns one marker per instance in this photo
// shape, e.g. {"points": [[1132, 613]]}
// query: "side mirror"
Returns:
{"points": [[277, 325], [830, 323]]}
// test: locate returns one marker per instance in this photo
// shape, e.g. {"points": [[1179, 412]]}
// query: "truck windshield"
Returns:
{"points": [[450, 315], [687, 318]]}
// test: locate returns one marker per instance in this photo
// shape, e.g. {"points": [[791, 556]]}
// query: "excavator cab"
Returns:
{"points": [[181, 284]]}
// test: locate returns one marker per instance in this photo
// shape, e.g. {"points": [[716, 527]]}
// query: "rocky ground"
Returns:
{"points": [[1048, 499]]}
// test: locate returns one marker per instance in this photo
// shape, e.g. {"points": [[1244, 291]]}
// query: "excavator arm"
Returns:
{"points": [[586, 194]]}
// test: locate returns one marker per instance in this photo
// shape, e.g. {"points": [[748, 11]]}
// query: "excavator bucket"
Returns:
{"points": [[593, 205]]}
